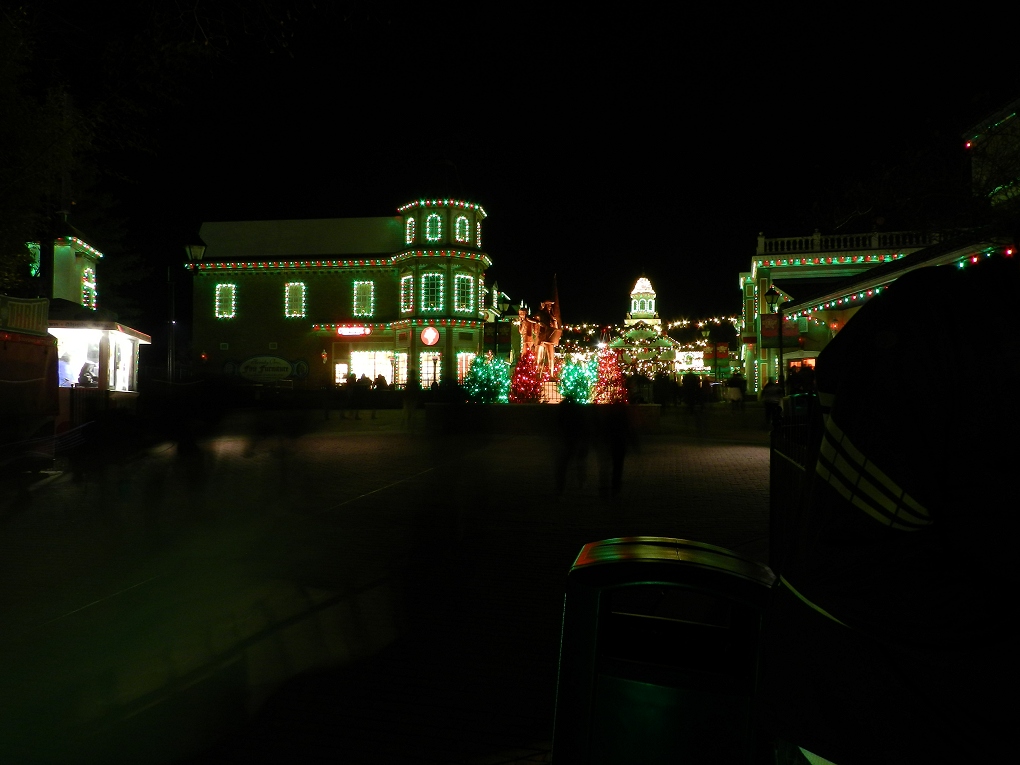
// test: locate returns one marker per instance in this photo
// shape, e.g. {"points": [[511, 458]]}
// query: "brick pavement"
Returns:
{"points": [[408, 588]]}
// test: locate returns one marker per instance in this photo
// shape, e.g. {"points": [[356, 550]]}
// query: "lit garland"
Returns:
{"points": [[829, 261], [364, 298], [406, 294], [443, 203], [464, 293], [78, 244], [226, 301], [89, 294], [294, 300], [859, 297], [431, 298]]}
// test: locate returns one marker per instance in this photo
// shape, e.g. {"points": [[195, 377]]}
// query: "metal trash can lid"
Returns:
{"points": [[670, 550]]}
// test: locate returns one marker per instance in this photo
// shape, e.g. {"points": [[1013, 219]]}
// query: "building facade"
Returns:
{"points": [[308, 303]]}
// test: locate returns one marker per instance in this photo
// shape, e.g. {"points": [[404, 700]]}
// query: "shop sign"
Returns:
{"points": [[429, 336], [265, 369], [353, 331]]}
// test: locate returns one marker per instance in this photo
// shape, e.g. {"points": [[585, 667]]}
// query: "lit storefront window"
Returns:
{"points": [[372, 364], [430, 368]]}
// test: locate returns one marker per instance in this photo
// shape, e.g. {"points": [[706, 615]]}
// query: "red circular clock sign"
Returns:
{"points": [[430, 336]]}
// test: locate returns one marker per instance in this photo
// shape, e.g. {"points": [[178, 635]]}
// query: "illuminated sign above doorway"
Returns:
{"points": [[348, 331]]}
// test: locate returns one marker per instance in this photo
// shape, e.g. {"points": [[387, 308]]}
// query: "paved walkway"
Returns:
{"points": [[342, 591]]}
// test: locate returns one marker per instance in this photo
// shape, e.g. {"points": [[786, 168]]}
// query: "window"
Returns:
{"points": [[226, 301], [294, 300], [372, 364], [430, 368], [406, 293], [433, 227], [462, 229], [88, 288], [432, 292], [464, 359], [464, 293], [364, 298], [409, 231], [478, 234]]}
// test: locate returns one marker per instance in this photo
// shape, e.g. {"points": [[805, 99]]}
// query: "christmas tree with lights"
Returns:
{"points": [[526, 387], [577, 377], [488, 380], [610, 384]]}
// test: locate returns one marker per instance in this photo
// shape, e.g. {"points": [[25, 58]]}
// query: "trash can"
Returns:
{"points": [[659, 654]]}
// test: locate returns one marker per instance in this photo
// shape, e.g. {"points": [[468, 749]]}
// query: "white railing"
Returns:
{"points": [[817, 242]]}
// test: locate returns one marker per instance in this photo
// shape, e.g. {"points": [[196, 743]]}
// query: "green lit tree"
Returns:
{"points": [[610, 385], [577, 378], [526, 387], [488, 380]]}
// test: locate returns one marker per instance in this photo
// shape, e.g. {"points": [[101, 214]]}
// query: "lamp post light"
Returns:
{"points": [[775, 305], [500, 306], [714, 366]]}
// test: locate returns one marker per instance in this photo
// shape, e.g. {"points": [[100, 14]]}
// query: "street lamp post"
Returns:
{"points": [[499, 308], [775, 305]]}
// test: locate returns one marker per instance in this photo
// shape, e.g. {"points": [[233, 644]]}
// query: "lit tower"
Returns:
{"points": [[441, 284], [642, 305]]}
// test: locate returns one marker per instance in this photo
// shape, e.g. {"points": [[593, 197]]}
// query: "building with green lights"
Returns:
{"points": [[823, 280], [306, 303]]}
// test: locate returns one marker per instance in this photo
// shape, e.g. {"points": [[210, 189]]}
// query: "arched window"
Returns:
{"points": [[433, 227], [478, 234], [461, 229], [409, 231]]}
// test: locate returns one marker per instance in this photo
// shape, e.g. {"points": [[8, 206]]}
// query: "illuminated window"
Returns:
{"points": [[364, 298], [406, 293], [430, 368], [88, 288], [432, 292], [372, 364], [462, 229], [478, 234], [34, 264], [409, 231], [464, 359], [294, 300], [433, 227], [463, 293], [226, 301], [481, 290]]}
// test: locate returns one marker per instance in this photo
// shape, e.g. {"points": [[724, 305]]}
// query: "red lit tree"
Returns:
{"points": [[525, 386], [610, 385]]}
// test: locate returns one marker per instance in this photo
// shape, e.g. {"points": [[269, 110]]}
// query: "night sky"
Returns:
{"points": [[605, 144]]}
